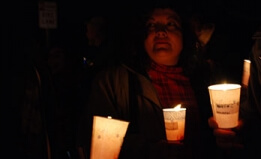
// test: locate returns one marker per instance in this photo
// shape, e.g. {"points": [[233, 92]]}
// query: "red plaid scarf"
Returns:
{"points": [[172, 86]]}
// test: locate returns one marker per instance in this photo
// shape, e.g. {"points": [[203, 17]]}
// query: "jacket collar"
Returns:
{"points": [[148, 90]]}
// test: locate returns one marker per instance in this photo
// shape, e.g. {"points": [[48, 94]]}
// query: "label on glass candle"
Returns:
{"points": [[171, 125], [229, 108]]}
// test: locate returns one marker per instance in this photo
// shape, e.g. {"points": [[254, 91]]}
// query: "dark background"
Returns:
{"points": [[235, 16], [22, 41], [22, 38], [240, 15]]}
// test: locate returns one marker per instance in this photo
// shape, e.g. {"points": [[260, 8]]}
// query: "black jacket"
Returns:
{"points": [[125, 92]]}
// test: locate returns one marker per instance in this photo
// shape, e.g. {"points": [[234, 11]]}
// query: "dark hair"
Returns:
{"points": [[137, 33], [188, 56]]}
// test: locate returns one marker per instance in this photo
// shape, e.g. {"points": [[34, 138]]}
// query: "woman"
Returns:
{"points": [[162, 74]]}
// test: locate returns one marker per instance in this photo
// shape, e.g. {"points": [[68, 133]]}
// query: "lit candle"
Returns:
{"points": [[225, 102], [177, 107], [107, 137], [246, 72], [175, 122]]}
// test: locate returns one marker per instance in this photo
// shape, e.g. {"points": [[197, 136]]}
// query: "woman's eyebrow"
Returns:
{"points": [[174, 17], [171, 17]]}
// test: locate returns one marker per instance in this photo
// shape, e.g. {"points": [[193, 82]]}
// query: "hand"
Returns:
{"points": [[226, 138]]}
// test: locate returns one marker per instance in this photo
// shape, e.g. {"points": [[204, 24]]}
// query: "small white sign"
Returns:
{"points": [[47, 15]]}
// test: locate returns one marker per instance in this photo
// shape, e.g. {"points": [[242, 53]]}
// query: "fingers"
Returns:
{"points": [[226, 138], [227, 133], [239, 126], [212, 123]]}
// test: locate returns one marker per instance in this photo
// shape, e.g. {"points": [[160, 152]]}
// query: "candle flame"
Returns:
{"points": [[177, 107]]}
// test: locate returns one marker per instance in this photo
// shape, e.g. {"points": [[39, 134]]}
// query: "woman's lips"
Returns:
{"points": [[161, 43]]}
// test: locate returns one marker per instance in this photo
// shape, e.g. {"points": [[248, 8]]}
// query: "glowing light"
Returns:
{"points": [[177, 107]]}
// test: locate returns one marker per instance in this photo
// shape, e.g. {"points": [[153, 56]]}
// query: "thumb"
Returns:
{"points": [[212, 123]]}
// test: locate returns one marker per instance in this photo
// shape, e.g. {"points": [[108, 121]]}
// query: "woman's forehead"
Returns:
{"points": [[166, 12]]}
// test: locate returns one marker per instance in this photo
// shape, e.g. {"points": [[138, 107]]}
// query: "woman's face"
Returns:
{"points": [[164, 40]]}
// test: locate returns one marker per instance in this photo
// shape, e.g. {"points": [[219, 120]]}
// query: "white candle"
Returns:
{"points": [[175, 122], [225, 102], [107, 137], [246, 72]]}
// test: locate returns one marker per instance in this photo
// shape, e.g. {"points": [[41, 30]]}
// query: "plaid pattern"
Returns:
{"points": [[172, 86]]}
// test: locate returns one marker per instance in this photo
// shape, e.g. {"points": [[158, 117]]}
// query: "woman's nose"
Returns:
{"points": [[161, 30], [161, 33]]}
